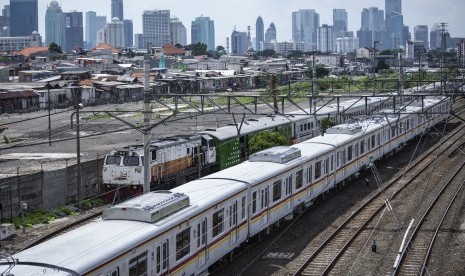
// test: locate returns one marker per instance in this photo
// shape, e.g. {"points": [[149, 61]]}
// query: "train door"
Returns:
{"points": [[202, 256], [243, 147], [288, 192], [233, 223], [162, 257], [264, 204]]}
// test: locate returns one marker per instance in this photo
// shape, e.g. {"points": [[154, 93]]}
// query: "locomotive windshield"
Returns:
{"points": [[131, 161], [113, 160]]}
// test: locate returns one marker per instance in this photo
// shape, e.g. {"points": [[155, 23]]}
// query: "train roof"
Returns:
{"points": [[93, 244]]}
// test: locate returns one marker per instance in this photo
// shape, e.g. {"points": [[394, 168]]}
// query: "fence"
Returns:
{"points": [[48, 189]]}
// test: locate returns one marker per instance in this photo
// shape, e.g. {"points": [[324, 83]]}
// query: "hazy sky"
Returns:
{"points": [[240, 13]]}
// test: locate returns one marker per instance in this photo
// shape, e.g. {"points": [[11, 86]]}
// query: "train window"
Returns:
{"points": [[344, 157], [349, 153], [289, 185], [373, 141], [188, 151], [309, 174], [165, 254], [198, 235], [131, 161], [243, 206], [393, 131], [113, 160], [204, 231], [218, 222], [311, 125], [317, 170], [265, 197], [338, 158], [301, 128], [379, 139], [115, 272], [183, 241], [327, 165], [154, 155], [158, 259], [332, 162], [138, 265], [277, 190], [299, 179], [362, 147], [254, 202], [356, 150], [308, 126]]}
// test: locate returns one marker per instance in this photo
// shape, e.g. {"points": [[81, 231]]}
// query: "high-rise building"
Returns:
{"points": [[259, 34], [440, 37], [178, 32], [5, 22], [117, 9], [395, 24], [113, 33], [139, 41], [325, 39], [55, 25], [203, 31], [238, 42], [373, 28], [305, 24], [128, 33], [94, 23], [340, 20], [346, 45], [156, 28], [270, 33], [24, 17], [74, 31]]}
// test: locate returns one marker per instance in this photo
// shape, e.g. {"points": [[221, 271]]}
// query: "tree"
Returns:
{"points": [[382, 65], [198, 49], [54, 48], [266, 53], [325, 124], [295, 54], [266, 139]]}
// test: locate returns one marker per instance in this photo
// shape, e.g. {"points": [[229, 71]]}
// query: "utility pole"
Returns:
{"points": [[314, 88], [49, 119], [147, 133], [374, 66], [78, 106], [401, 75], [273, 92]]}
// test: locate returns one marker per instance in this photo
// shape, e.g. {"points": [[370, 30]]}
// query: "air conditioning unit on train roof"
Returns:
{"points": [[344, 129], [281, 154], [150, 207]]}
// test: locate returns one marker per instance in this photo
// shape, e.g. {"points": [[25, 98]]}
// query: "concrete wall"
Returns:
{"points": [[49, 189]]}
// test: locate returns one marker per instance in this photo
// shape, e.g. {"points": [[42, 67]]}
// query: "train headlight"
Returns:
{"points": [[138, 170], [134, 187]]}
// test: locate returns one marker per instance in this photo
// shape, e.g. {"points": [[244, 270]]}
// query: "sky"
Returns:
{"points": [[230, 14]]}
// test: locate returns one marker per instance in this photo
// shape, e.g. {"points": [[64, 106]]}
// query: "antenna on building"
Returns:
{"points": [[249, 41]]}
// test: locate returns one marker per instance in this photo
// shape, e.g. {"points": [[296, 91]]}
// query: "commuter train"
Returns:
{"points": [[183, 231], [175, 160]]}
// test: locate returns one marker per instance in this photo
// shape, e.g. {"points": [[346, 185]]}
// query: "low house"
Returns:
{"points": [[18, 101]]}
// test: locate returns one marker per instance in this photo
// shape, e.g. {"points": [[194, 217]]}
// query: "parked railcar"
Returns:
{"points": [[187, 229]]}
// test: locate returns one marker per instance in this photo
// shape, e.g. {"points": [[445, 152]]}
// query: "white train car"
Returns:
{"points": [[185, 230]]}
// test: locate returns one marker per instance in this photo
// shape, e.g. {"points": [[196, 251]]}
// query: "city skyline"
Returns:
{"points": [[271, 11]]}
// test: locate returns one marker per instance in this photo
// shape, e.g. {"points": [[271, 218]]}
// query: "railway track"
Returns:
{"points": [[413, 260], [324, 258]]}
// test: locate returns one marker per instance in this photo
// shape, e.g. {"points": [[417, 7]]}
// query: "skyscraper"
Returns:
{"points": [[5, 22], [373, 28], [238, 42], [178, 32], [203, 31], [259, 34], [74, 31], [24, 17], [113, 33], [305, 24], [339, 20], [117, 9], [128, 33], [156, 27], [394, 23], [325, 39], [270, 33], [55, 25], [93, 24]]}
